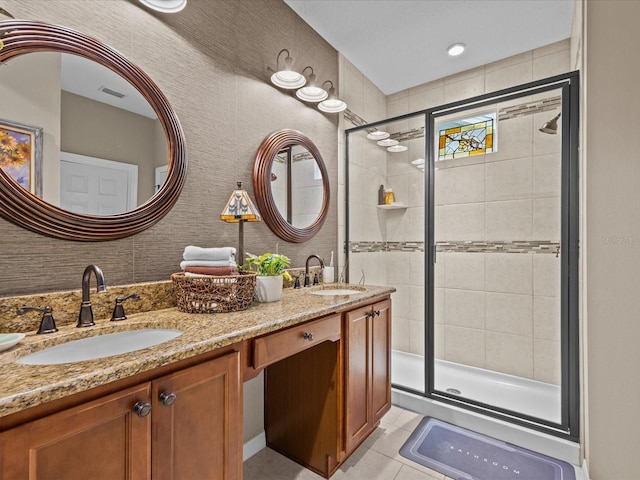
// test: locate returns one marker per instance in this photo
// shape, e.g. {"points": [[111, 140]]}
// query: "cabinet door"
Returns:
{"points": [[381, 360], [198, 433], [368, 370], [101, 440], [357, 376]]}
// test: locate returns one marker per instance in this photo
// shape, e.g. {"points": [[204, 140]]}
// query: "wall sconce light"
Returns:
{"points": [[240, 209], [311, 92], [551, 126], [287, 77], [332, 104], [165, 6], [377, 135]]}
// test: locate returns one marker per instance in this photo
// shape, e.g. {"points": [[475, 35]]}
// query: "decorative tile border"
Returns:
{"points": [[525, 246], [552, 103]]}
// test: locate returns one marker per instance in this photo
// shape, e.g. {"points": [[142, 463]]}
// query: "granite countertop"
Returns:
{"points": [[24, 386]]}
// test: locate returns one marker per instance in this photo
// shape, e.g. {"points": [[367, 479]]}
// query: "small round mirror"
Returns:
{"points": [[291, 185]]}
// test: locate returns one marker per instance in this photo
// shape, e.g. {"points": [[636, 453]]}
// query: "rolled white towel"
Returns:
{"points": [[191, 252], [207, 263]]}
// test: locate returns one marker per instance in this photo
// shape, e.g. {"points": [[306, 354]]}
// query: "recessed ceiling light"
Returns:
{"points": [[396, 148], [165, 6], [378, 135], [456, 49], [388, 142]]}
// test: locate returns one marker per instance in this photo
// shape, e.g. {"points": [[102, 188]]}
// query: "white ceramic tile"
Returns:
{"points": [[469, 74], [352, 88], [547, 218], [509, 273], [400, 299], [509, 179], [460, 185], [552, 48], [398, 264], [546, 318], [400, 333], [463, 89], [398, 222], [547, 175], [525, 57], [464, 222], [547, 361], [509, 313], [416, 303], [515, 139], [464, 270], [511, 354], [397, 107], [546, 275], [367, 463], [416, 231], [552, 64], [375, 102], [426, 99], [439, 341], [509, 76], [438, 306], [464, 308], [416, 269], [464, 345], [416, 337], [416, 188], [508, 220], [439, 224]]}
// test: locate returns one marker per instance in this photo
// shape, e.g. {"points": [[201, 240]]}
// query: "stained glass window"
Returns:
{"points": [[467, 137]]}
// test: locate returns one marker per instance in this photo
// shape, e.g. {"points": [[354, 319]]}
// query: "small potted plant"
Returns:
{"points": [[271, 271]]}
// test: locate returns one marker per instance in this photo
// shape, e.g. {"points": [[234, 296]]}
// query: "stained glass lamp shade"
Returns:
{"points": [[240, 209]]}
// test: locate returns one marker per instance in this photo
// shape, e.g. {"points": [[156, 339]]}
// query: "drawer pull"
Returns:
{"points": [[142, 409], [308, 336], [376, 313], [167, 398]]}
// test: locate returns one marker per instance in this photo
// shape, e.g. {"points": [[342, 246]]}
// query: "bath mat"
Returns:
{"points": [[465, 455]]}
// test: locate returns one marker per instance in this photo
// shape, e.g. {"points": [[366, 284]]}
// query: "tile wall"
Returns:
{"points": [[494, 310]]}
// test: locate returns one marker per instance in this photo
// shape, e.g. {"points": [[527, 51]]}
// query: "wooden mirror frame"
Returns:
{"points": [[262, 166], [25, 209]]}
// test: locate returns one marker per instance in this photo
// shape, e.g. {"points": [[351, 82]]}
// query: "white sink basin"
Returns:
{"points": [[100, 346], [337, 291]]}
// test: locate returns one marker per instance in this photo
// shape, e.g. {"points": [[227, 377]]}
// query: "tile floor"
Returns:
{"points": [[376, 459]]}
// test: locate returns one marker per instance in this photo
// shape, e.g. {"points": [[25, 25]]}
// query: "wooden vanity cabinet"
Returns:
{"points": [[367, 382], [323, 402], [138, 433]]}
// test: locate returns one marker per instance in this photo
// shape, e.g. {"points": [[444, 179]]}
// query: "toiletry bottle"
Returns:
{"points": [[381, 195], [389, 197]]}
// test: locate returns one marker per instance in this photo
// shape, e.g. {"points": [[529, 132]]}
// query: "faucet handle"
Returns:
{"points": [[118, 310], [47, 323], [296, 283], [316, 280]]}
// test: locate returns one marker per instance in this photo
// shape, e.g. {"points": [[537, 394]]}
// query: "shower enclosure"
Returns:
{"points": [[481, 245]]}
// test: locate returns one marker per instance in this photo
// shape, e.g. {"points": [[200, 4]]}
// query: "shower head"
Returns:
{"points": [[551, 126]]}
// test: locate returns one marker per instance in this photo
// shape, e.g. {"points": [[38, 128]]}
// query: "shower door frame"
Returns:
{"points": [[569, 427]]}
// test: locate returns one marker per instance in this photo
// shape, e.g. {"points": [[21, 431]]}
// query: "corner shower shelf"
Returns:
{"points": [[395, 206]]}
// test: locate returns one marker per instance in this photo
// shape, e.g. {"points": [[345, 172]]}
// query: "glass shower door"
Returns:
{"points": [[497, 231]]}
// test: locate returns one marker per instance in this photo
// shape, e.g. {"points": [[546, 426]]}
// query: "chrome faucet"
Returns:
{"points": [[307, 282], [85, 319]]}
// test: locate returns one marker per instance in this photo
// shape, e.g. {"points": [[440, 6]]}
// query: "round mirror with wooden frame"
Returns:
{"points": [[298, 208], [24, 208]]}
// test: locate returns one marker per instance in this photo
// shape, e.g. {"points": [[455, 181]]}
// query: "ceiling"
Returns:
{"points": [[398, 44]]}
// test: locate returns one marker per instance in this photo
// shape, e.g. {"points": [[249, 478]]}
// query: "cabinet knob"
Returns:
{"points": [[167, 398], [307, 336], [142, 409], [376, 313]]}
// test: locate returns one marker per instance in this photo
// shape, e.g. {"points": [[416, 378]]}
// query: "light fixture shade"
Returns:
{"points": [[311, 92], [240, 208], [287, 78], [332, 104], [165, 6], [396, 148], [418, 161], [387, 142], [378, 135]]}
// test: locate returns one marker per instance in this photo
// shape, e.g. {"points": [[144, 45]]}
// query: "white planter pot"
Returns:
{"points": [[268, 289]]}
